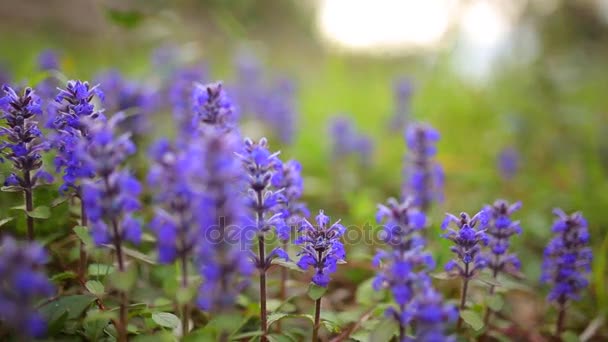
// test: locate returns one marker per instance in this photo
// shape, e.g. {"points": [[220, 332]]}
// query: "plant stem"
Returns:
{"points": [[263, 318], [401, 332], [83, 252], [315, 331], [283, 288], [463, 298], [559, 328], [122, 328], [185, 312], [486, 319], [29, 204]]}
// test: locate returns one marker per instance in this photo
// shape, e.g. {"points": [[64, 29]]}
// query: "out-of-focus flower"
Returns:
{"points": [[500, 229], [508, 162], [346, 141], [321, 247], [424, 176], [213, 107], [293, 210], [402, 95], [22, 285], [182, 84], [567, 258]]}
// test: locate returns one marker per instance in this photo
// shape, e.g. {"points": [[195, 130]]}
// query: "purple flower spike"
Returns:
{"points": [[321, 247], [112, 199], [22, 285], [468, 240], [508, 163], [402, 95], [424, 175], [213, 107], [567, 258], [500, 229], [290, 180], [347, 142]]}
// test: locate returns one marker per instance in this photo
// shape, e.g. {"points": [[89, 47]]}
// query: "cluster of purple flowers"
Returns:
{"points": [[346, 141], [22, 285], [223, 255], [292, 209], [499, 230], [468, 241], [212, 107], [567, 258], [404, 270], [424, 176], [182, 85], [270, 100], [123, 95], [73, 107], [23, 140], [321, 247], [403, 90], [112, 198]]}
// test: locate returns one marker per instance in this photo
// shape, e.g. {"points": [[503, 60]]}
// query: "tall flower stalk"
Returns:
{"points": [[567, 262], [424, 176], [264, 199], [22, 285], [468, 239], [292, 210], [222, 255], [112, 199], [500, 229], [73, 106], [322, 250], [22, 145], [403, 268]]}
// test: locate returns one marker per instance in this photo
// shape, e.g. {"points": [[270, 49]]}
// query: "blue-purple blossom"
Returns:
{"points": [[289, 179], [22, 286], [508, 162], [22, 141], [73, 107], [567, 258], [112, 198], [430, 315], [48, 60], [263, 198], [424, 176], [403, 267], [123, 95], [223, 253], [346, 141], [182, 84], [212, 107], [321, 247], [468, 239], [278, 109], [402, 95], [500, 229]]}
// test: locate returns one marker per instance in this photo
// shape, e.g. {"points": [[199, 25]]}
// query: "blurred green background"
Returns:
{"points": [[526, 74]]}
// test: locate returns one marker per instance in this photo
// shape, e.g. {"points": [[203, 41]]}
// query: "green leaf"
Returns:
{"points": [[128, 19], [443, 276], [495, 302], [484, 278], [275, 317], [58, 201], [315, 291], [5, 221], [166, 319], [287, 264], [384, 330], [366, 295], [247, 335], [93, 329], [74, 306], [472, 318], [83, 234], [570, 336], [95, 287], [123, 281], [280, 338], [11, 189], [41, 212], [100, 270], [332, 326], [185, 295], [134, 254], [59, 277]]}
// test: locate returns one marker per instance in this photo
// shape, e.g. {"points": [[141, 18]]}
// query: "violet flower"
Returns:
{"points": [[424, 175], [567, 261], [468, 240], [402, 96], [22, 286], [22, 145], [212, 107], [508, 162]]}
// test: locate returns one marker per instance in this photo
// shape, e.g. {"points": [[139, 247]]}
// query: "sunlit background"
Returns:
{"points": [[525, 79]]}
